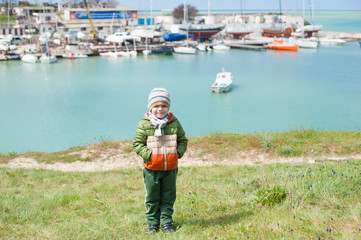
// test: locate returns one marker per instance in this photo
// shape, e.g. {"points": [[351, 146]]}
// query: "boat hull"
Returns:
{"points": [[221, 47], [29, 58], [202, 33], [163, 51], [307, 44], [283, 48], [278, 44], [332, 42], [308, 34], [185, 50], [239, 35], [219, 89], [277, 33], [48, 59]]}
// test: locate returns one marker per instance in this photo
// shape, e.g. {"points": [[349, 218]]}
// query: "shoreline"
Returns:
{"points": [[95, 50]]}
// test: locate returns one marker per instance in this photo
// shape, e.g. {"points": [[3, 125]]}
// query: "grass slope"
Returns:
{"points": [[278, 201], [300, 142]]}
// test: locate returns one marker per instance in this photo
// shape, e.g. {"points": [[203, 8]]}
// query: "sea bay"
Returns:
{"points": [[83, 101], [79, 102]]}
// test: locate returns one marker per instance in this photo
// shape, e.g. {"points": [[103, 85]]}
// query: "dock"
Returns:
{"points": [[257, 47]]}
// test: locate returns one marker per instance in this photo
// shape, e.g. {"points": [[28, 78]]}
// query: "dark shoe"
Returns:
{"points": [[168, 228], [151, 229]]}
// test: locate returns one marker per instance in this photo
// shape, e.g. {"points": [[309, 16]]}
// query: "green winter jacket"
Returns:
{"points": [[160, 153]]}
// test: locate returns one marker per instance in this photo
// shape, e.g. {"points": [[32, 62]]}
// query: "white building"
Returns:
{"points": [[105, 20]]}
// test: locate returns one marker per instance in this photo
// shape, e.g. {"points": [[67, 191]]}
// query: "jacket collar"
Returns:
{"points": [[170, 116]]}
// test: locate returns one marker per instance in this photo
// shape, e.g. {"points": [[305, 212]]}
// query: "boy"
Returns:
{"points": [[160, 140]]}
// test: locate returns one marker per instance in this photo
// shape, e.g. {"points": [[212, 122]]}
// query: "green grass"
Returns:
{"points": [[278, 201], [300, 142]]}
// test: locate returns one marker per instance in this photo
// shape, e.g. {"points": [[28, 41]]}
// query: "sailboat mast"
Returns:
{"points": [[281, 14], [303, 15], [151, 12], [184, 11], [146, 26], [209, 8], [184, 16], [46, 35], [241, 2], [312, 6], [8, 12]]}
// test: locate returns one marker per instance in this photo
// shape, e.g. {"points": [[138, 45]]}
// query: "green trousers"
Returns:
{"points": [[161, 194]]}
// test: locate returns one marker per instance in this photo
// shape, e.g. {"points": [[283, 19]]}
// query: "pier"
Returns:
{"points": [[248, 46]]}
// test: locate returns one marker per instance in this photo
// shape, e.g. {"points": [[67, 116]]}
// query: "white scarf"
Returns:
{"points": [[158, 124]]}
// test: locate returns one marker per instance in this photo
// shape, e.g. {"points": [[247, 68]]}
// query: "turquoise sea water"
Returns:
{"points": [[77, 102]]}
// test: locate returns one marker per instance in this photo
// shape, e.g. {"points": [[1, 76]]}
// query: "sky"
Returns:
{"points": [[247, 4]]}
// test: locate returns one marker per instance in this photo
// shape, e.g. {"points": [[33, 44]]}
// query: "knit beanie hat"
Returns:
{"points": [[158, 95]]}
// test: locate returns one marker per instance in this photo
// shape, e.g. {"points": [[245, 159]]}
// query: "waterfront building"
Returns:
{"points": [[105, 20]]}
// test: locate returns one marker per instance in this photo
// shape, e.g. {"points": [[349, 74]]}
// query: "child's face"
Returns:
{"points": [[160, 110]]}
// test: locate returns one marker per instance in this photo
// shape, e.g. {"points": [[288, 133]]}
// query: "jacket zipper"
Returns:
{"points": [[164, 149]]}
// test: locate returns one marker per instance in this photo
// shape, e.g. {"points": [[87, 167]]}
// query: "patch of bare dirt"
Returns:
{"points": [[115, 156]]}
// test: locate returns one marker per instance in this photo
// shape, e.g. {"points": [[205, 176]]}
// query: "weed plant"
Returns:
{"points": [[278, 201], [4, 18]]}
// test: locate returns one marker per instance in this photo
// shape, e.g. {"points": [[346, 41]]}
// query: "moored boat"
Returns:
{"points": [[277, 32], [74, 55], [221, 47], [304, 43], [279, 44], [202, 47], [239, 32], [332, 42], [308, 30], [174, 37], [163, 50], [110, 54], [223, 82], [121, 37], [203, 31], [146, 52], [185, 50], [29, 58], [48, 58]]}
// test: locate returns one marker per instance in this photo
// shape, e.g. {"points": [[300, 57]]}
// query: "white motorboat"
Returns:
{"points": [[304, 42], [29, 58], [110, 54], [146, 33], [74, 55], [202, 47], [223, 82], [132, 53], [146, 52], [332, 42], [185, 50], [48, 58], [221, 47], [120, 37]]}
